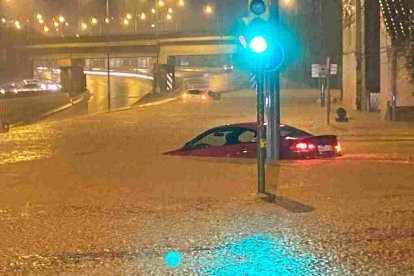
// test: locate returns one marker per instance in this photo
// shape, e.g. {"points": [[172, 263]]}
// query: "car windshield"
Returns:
{"points": [[195, 92]]}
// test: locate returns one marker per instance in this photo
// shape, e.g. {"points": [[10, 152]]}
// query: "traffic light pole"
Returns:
{"points": [[261, 142], [273, 116]]}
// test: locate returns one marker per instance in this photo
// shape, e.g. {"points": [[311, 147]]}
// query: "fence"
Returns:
{"points": [[28, 109]]}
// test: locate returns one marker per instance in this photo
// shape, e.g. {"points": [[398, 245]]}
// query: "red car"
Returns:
{"points": [[239, 140]]}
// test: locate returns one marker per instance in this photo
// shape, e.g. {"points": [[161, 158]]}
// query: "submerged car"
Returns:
{"points": [[239, 141], [200, 95]]}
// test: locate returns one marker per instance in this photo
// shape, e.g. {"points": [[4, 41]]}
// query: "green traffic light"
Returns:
{"points": [[258, 45]]}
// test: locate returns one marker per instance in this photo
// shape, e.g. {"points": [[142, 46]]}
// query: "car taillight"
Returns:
{"points": [[338, 147], [302, 146]]}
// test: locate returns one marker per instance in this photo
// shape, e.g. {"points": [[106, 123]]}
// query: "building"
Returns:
{"points": [[377, 51]]}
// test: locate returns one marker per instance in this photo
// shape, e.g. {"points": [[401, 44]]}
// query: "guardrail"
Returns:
{"points": [[28, 109]]}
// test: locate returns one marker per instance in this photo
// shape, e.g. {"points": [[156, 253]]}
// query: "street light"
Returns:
{"points": [[170, 10], [126, 21], [161, 3], [208, 9], [181, 3], [61, 19], [46, 29], [39, 16], [56, 24], [17, 24], [128, 16], [41, 21], [143, 16], [94, 21], [84, 26], [168, 17]]}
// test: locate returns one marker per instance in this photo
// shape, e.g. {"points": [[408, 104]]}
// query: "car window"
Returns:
{"points": [[31, 85], [214, 139], [247, 136], [225, 136], [194, 92]]}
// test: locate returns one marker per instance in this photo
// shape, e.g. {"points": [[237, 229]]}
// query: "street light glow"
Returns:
{"points": [[41, 21], [143, 16], [258, 45], [153, 11], [169, 17], [126, 21], [161, 3], [181, 3], [46, 29], [170, 10], [39, 16], [84, 26], [3, 20], [208, 9], [94, 21], [129, 16], [61, 19], [17, 24], [55, 23]]}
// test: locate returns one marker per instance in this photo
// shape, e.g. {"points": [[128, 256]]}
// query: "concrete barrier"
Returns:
{"points": [[28, 109]]}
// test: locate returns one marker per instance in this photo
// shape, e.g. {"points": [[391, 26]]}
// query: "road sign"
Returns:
{"points": [[334, 69], [316, 70]]}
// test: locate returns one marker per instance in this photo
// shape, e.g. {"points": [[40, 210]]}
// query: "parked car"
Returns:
{"points": [[239, 141]]}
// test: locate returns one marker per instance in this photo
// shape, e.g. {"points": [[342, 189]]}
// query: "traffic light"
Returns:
{"points": [[259, 46]]}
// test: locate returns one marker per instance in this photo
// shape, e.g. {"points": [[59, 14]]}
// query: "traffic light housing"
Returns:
{"points": [[259, 48]]}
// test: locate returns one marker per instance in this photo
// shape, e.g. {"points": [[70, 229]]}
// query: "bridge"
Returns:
{"points": [[73, 54], [123, 46]]}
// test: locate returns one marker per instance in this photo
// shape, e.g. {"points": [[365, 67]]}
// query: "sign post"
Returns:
{"points": [[323, 72]]}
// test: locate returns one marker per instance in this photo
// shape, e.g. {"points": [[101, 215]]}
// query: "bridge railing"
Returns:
{"points": [[120, 37]]}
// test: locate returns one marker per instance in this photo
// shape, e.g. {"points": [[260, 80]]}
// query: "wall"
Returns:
{"points": [[404, 89], [349, 62]]}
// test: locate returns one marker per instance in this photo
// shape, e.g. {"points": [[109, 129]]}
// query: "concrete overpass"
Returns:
{"points": [[70, 54], [122, 46]]}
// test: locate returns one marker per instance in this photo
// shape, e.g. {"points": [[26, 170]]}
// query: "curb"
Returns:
{"points": [[73, 101], [156, 103]]}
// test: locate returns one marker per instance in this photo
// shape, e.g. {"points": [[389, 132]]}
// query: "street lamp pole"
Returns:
{"points": [[108, 56]]}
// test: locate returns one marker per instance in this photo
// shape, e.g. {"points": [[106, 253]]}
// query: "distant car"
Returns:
{"points": [[200, 95], [239, 141], [9, 88], [30, 86], [228, 67]]}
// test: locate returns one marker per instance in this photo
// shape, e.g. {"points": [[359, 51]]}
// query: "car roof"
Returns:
{"points": [[251, 125]]}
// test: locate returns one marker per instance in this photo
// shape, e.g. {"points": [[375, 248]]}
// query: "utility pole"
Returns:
{"points": [[108, 57], [328, 90]]}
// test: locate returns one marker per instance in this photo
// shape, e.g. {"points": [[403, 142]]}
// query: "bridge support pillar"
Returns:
{"points": [[72, 78]]}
